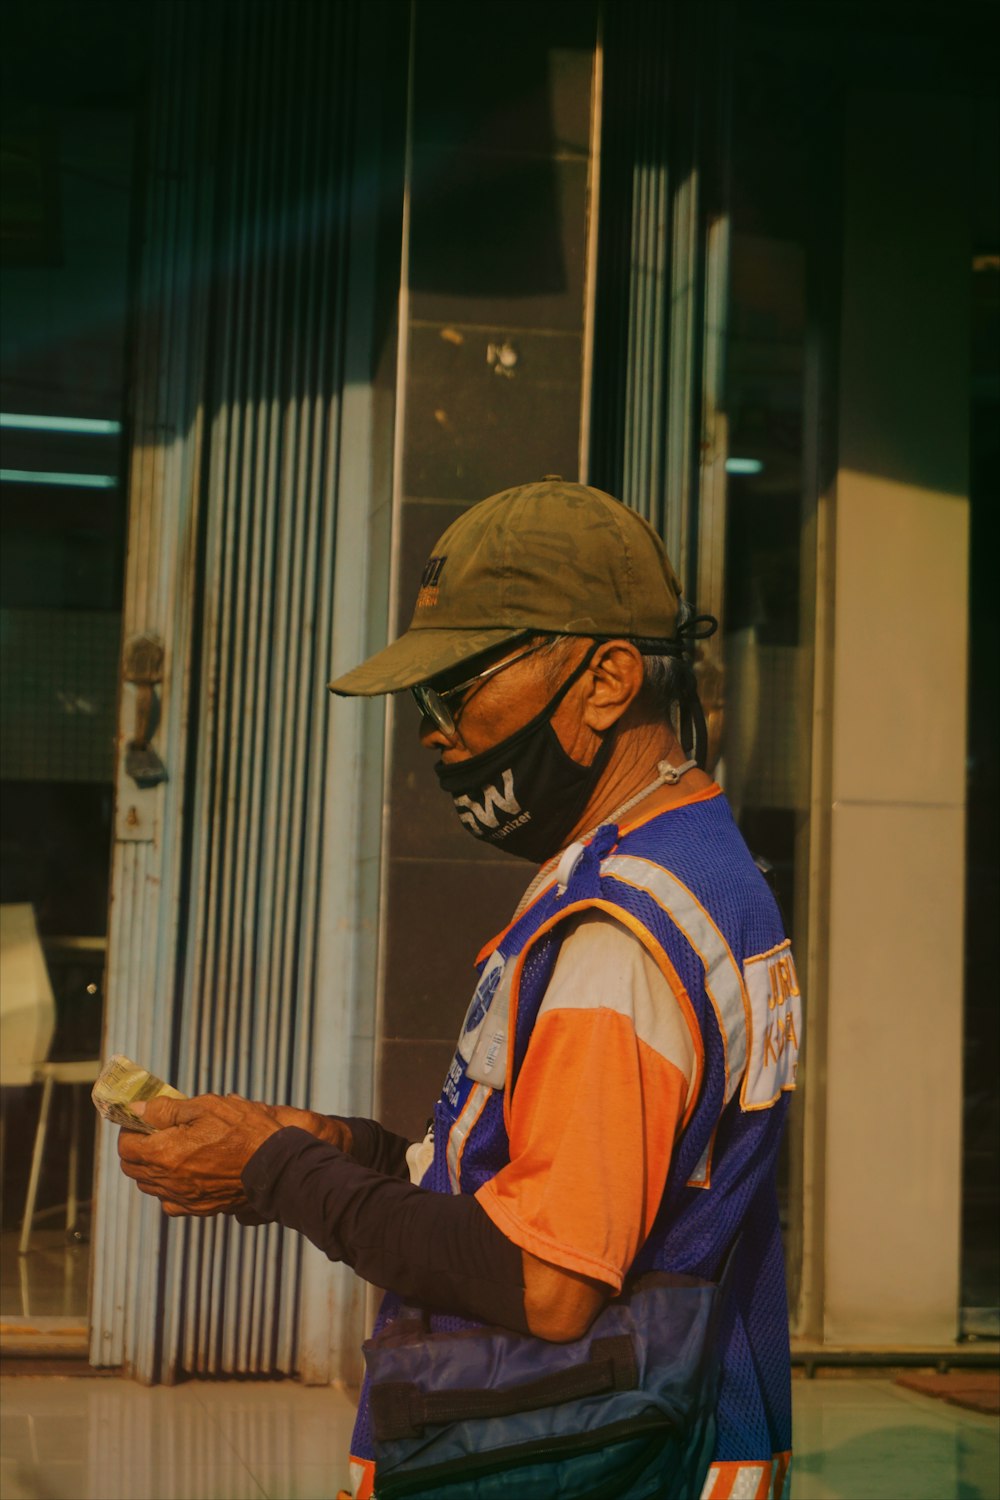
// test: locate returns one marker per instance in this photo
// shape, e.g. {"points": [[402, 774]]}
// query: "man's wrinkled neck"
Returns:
{"points": [[634, 766]]}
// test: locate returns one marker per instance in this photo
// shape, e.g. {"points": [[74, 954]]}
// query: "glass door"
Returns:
{"points": [[67, 202]]}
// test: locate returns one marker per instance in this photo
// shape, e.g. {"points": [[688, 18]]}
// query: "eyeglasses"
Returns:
{"points": [[433, 702]]}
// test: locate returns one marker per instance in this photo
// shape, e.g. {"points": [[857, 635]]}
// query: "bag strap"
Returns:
{"points": [[402, 1409]]}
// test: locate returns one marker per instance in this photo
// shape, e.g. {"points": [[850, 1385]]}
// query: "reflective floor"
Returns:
{"points": [[80, 1439], [869, 1439], [51, 1280], [109, 1439]]}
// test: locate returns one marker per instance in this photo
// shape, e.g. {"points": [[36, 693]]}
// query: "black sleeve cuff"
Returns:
{"points": [[374, 1146], [436, 1249], [261, 1173]]}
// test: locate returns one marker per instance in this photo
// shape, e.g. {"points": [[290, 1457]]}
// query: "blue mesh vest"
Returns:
{"points": [[684, 882]]}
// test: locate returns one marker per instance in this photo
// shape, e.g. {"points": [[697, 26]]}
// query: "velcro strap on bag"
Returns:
{"points": [[402, 1409]]}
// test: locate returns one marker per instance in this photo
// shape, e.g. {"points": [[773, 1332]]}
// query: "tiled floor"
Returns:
{"points": [[868, 1439], [80, 1439], [50, 1280], [108, 1439]]}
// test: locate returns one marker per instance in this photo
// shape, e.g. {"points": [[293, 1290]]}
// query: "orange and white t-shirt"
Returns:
{"points": [[600, 1097]]}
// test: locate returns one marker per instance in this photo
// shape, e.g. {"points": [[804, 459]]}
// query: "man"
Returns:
{"points": [[617, 1096]]}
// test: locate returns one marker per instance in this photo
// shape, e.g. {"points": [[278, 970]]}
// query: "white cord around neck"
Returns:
{"points": [[669, 776]]}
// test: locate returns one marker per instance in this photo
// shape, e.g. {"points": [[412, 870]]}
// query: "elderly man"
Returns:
{"points": [[618, 1091]]}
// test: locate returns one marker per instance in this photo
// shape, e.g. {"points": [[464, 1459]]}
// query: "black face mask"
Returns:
{"points": [[525, 794]]}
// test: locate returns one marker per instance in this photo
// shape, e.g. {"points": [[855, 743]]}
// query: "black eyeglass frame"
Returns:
{"points": [[433, 702]]}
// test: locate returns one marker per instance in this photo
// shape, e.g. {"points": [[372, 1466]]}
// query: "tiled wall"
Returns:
{"points": [[501, 126]]}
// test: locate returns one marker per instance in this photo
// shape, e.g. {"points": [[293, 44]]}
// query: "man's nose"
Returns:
{"points": [[432, 736]]}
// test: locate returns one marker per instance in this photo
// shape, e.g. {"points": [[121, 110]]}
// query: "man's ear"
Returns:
{"points": [[614, 683]]}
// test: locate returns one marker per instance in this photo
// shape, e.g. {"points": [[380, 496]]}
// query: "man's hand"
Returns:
{"points": [[199, 1148], [334, 1132]]}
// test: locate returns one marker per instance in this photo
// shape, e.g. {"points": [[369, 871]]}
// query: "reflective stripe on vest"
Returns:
{"points": [[723, 981], [459, 1132]]}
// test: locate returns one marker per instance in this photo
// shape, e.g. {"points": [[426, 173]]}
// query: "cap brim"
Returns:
{"points": [[418, 656]]}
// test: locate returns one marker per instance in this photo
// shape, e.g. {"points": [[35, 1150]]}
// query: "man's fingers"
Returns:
{"points": [[146, 1173], [196, 1168], [147, 1182], [164, 1112], [133, 1146], [137, 1152]]}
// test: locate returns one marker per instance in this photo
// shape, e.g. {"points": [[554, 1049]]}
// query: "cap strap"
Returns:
{"points": [[698, 628]]}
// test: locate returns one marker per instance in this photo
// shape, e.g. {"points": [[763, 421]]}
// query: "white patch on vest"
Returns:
{"points": [[480, 1005], [775, 1027], [482, 1045], [488, 1063]]}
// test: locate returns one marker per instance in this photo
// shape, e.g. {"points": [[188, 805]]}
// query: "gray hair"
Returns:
{"points": [[663, 676]]}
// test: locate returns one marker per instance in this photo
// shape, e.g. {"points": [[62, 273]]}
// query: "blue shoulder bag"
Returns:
{"points": [[484, 1414]]}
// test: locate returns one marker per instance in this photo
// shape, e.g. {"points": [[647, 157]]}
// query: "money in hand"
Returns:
{"points": [[120, 1084]]}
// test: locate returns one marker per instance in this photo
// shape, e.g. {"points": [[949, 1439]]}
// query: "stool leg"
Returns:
{"points": [[74, 1154], [25, 1280], [36, 1165]]}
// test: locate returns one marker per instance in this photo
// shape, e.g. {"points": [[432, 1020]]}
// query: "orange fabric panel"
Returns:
{"points": [[362, 1478], [749, 1478], [593, 1121]]}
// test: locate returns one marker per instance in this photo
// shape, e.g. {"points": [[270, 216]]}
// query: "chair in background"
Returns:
{"points": [[27, 1026]]}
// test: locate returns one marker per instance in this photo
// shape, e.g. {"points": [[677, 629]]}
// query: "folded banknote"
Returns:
{"points": [[120, 1084]]}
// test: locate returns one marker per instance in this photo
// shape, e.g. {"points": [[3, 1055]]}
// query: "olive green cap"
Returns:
{"points": [[551, 557]]}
